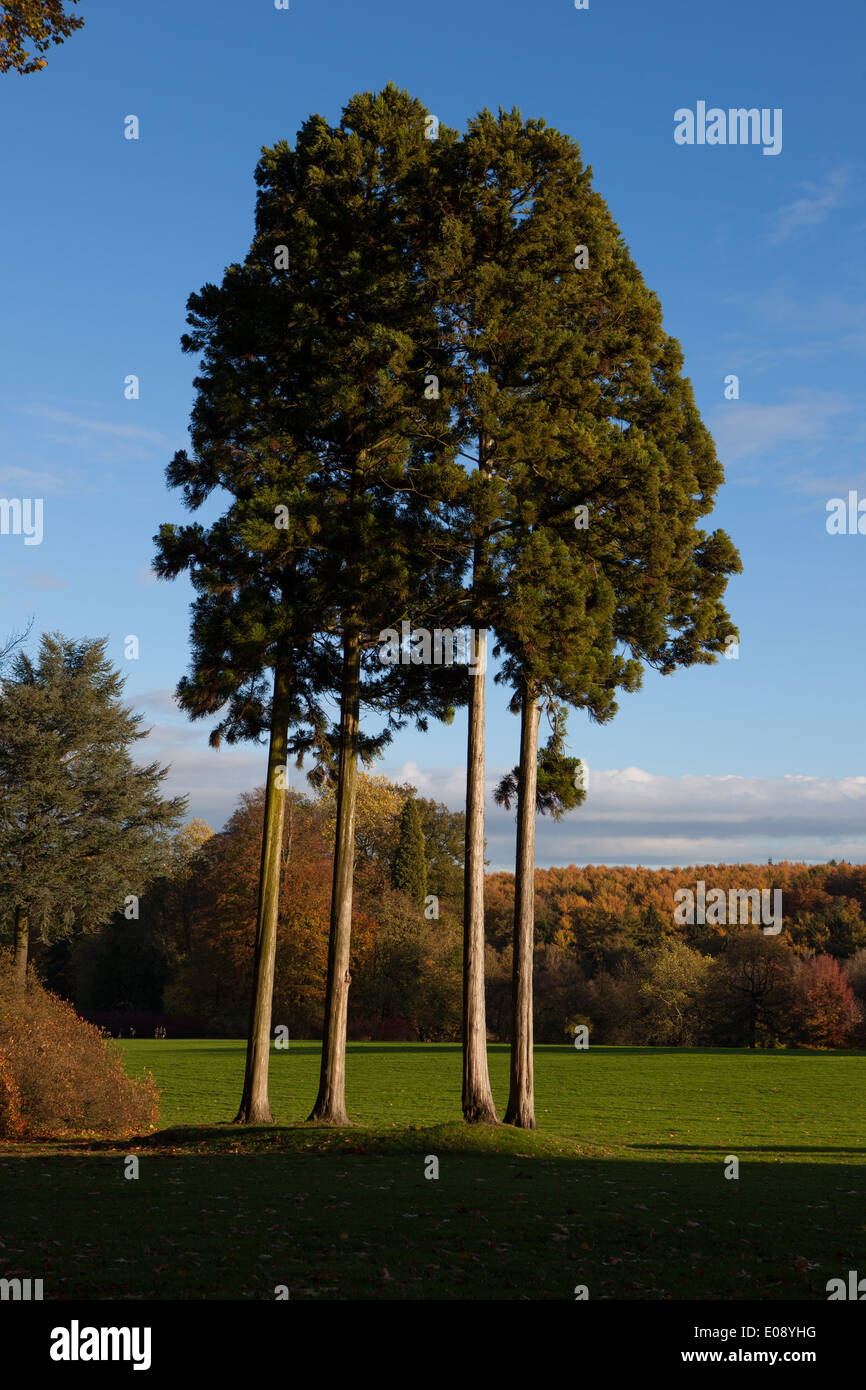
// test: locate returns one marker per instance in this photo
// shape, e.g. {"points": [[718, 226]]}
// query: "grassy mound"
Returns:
{"points": [[449, 1138]]}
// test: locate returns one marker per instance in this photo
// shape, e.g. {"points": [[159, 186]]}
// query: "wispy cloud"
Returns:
{"points": [[110, 428], [156, 701], [31, 482], [43, 579], [39, 579], [213, 779], [817, 203], [743, 430]]}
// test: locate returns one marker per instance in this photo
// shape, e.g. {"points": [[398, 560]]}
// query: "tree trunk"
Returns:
{"points": [[521, 1096], [330, 1103], [21, 946], [255, 1107], [478, 1107]]}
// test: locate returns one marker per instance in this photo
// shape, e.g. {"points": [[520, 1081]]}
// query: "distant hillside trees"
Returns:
{"points": [[607, 951]]}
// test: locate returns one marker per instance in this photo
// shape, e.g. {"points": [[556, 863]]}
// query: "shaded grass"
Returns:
{"points": [[371, 1226]]}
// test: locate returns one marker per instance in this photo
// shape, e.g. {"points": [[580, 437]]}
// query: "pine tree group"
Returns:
{"points": [[437, 391]]}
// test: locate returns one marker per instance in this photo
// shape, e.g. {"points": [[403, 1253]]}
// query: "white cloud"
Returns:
{"points": [[213, 779], [629, 819], [630, 816], [814, 207], [128, 431], [744, 429]]}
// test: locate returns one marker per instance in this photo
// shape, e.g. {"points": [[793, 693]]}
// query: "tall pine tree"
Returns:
{"points": [[312, 415], [592, 560]]}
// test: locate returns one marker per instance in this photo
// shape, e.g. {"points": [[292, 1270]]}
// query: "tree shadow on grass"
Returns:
{"points": [[516, 1225]]}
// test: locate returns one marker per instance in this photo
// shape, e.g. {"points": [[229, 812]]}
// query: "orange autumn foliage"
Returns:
{"points": [[60, 1076]]}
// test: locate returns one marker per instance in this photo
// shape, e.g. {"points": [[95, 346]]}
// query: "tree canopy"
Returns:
{"points": [[33, 23]]}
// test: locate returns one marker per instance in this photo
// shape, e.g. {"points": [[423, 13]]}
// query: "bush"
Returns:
{"points": [[58, 1077]]}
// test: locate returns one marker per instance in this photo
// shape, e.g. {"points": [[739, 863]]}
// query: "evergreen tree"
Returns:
{"points": [[312, 415], [253, 615], [409, 870], [593, 563], [82, 826], [342, 203]]}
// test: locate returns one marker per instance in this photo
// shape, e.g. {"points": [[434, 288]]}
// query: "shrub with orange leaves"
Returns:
{"points": [[58, 1075]]}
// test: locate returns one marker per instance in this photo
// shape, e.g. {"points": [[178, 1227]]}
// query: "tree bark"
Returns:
{"points": [[255, 1106], [330, 1105], [478, 1106], [521, 1096], [21, 946]]}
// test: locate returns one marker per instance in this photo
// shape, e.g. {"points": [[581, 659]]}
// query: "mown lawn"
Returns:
{"points": [[621, 1189]]}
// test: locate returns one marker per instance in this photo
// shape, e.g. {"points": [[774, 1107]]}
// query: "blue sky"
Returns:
{"points": [[757, 260]]}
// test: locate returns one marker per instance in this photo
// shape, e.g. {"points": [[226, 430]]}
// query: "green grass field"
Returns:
{"points": [[622, 1189]]}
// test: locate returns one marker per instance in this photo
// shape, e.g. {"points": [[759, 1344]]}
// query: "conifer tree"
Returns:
{"points": [[593, 564], [83, 827], [344, 202], [409, 870], [312, 415]]}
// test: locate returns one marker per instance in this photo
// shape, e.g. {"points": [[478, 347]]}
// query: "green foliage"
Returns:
{"points": [[411, 975], [444, 832], [409, 868], [560, 782], [576, 391], [82, 826], [673, 981]]}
